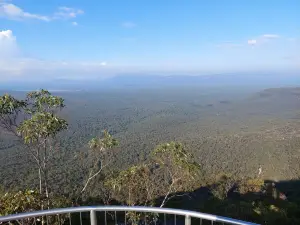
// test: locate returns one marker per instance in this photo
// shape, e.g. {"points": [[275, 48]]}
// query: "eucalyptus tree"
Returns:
{"points": [[171, 170], [101, 154], [36, 122]]}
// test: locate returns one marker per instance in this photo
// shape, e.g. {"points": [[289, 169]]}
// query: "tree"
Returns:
{"points": [[35, 121], [133, 186], [102, 153], [27, 201], [170, 170], [223, 184], [178, 167], [11, 110]]}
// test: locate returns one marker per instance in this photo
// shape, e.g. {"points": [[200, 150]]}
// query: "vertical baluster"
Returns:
{"points": [[105, 218], [80, 216], [212, 222], [34, 221], [200, 221], [175, 219], [187, 220], [93, 217], [116, 221], [165, 219], [70, 220]]}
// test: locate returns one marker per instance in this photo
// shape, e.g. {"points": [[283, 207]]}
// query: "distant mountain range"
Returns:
{"points": [[148, 81]]}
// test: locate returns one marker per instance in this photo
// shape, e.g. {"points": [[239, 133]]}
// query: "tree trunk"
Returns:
{"points": [[45, 172], [40, 180], [46, 189]]}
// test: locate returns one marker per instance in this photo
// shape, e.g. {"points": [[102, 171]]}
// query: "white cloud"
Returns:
{"points": [[13, 12], [92, 64], [263, 39], [128, 24], [8, 46], [14, 65], [7, 35], [74, 23], [252, 42], [67, 13], [270, 36]]}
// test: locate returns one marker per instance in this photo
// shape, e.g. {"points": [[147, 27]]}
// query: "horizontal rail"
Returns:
{"points": [[185, 213]]}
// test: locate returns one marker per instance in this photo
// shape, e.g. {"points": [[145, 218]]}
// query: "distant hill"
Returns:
{"points": [[219, 79], [274, 102], [278, 92], [149, 81]]}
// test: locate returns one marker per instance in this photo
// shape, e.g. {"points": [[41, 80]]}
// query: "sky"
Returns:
{"points": [[75, 39]]}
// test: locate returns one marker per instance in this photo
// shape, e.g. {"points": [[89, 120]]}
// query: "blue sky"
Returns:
{"points": [[77, 39]]}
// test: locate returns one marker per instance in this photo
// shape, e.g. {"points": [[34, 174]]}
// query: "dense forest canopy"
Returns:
{"points": [[234, 138]]}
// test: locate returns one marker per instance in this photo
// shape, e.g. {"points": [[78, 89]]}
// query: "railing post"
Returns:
{"points": [[187, 220], [93, 217]]}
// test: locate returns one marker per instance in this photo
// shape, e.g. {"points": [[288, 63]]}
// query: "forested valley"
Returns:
{"points": [[230, 151]]}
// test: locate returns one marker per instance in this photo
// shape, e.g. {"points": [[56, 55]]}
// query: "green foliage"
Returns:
{"points": [[171, 170], [132, 186], [10, 105], [22, 201], [30, 200], [102, 151], [173, 155], [26, 201], [178, 166], [10, 110], [222, 185], [41, 126], [42, 122], [43, 101], [101, 155], [106, 142]]}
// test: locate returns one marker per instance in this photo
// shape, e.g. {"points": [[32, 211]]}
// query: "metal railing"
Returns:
{"points": [[117, 215]]}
